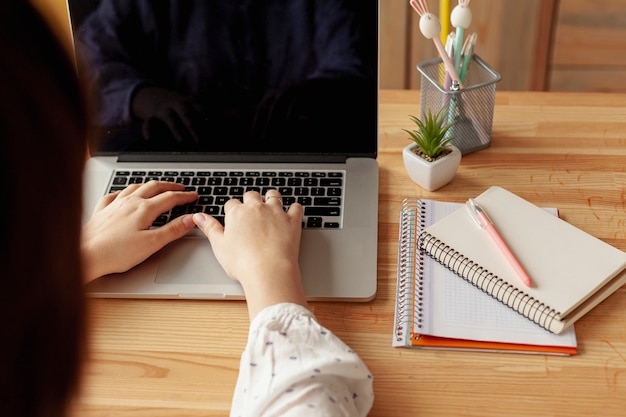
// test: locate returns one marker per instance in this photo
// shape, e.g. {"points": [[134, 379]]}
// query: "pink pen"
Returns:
{"points": [[481, 218]]}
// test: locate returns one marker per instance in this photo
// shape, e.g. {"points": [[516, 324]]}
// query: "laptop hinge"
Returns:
{"points": [[248, 158]]}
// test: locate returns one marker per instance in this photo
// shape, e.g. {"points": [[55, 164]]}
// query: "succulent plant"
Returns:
{"points": [[431, 134]]}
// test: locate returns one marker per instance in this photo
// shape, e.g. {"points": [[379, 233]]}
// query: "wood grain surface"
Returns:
{"points": [[162, 358]]}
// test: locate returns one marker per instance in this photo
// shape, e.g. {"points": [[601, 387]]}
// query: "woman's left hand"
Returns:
{"points": [[118, 235]]}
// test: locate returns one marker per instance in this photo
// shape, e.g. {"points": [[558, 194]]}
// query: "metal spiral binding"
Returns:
{"points": [[418, 288], [486, 281], [409, 288]]}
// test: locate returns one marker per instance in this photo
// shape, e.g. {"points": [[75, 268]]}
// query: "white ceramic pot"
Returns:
{"points": [[431, 175]]}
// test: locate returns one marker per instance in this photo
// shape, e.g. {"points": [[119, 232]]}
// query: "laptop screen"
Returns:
{"points": [[225, 78]]}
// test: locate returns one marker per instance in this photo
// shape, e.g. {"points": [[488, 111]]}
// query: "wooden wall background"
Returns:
{"points": [[554, 45], [589, 46]]}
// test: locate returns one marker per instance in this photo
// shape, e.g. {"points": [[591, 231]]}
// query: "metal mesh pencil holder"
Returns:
{"points": [[471, 108]]}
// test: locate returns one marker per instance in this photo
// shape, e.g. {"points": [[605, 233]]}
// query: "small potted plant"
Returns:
{"points": [[431, 160]]}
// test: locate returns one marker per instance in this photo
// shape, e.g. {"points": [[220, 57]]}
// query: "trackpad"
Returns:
{"points": [[190, 260]]}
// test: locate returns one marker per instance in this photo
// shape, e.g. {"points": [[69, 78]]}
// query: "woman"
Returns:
{"points": [[47, 254]]}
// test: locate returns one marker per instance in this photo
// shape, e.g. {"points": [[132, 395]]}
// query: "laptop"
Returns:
{"points": [[227, 97]]}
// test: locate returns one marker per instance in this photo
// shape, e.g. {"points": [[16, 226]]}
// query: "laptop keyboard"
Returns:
{"points": [[319, 191]]}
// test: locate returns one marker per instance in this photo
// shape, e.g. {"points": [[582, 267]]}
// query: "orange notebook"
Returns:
{"points": [[437, 310], [425, 341]]}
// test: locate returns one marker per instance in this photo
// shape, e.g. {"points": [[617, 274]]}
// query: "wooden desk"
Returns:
{"points": [[180, 358]]}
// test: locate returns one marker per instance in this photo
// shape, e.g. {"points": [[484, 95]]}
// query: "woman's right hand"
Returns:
{"points": [[259, 246]]}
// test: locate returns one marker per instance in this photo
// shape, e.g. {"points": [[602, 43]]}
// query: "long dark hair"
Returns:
{"points": [[43, 129]]}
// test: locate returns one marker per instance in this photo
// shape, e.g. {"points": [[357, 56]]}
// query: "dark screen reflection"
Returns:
{"points": [[232, 76]]}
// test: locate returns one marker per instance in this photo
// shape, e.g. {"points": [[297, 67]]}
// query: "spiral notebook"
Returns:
{"points": [[572, 270], [437, 310]]}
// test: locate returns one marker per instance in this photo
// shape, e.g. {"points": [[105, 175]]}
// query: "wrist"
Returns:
{"points": [[270, 287]]}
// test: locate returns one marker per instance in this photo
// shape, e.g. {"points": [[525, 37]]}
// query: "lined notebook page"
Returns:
{"points": [[454, 308]]}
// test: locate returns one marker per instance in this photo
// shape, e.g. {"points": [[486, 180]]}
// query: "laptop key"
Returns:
{"points": [[305, 201], [314, 222], [236, 191], [331, 182], [333, 191], [321, 211], [327, 201]]}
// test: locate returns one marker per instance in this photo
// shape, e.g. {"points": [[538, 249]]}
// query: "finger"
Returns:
{"points": [[186, 117], [251, 196], [154, 188], [273, 197], [295, 210], [295, 213], [129, 189], [172, 120], [171, 231], [209, 226], [168, 199], [106, 200], [230, 204], [146, 128], [261, 117]]}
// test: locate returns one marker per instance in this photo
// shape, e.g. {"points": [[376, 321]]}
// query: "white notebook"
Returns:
{"points": [[572, 270], [437, 310]]}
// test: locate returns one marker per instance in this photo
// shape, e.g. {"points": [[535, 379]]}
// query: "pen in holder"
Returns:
{"points": [[470, 107]]}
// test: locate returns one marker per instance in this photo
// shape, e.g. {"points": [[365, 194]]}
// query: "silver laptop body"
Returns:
{"points": [[338, 262]]}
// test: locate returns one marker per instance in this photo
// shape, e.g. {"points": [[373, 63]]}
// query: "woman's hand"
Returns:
{"points": [[259, 246], [118, 235]]}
